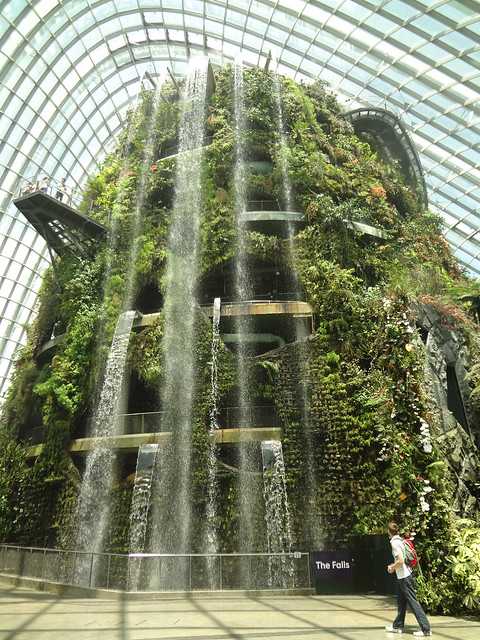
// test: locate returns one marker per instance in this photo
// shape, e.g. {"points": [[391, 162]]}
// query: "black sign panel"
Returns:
{"points": [[332, 571]]}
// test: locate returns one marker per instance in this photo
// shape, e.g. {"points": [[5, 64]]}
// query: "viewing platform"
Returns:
{"points": [[272, 216], [236, 424], [48, 206], [263, 308], [50, 345], [368, 230], [131, 442], [251, 308], [391, 132], [278, 308], [172, 150], [265, 216]]}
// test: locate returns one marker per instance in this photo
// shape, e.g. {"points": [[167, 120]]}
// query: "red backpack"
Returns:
{"points": [[409, 553]]}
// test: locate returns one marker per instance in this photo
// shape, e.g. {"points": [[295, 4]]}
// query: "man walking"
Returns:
{"points": [[406, 588]]}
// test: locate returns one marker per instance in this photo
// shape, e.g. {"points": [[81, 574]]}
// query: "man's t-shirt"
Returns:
{"points": [[397, 550]]}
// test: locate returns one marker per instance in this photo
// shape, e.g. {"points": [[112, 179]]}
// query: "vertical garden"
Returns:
{"points": [[378, 402]]}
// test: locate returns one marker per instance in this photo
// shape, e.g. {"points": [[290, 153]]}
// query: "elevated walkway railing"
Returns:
{"points": [[158, 572], [400, 135], [53, 188], [270, 296], [262, 205], [229, 417], [173, 149], [151, 421]]}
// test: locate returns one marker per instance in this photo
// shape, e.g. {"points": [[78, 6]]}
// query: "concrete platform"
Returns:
{"points": [[28, 615], [131, 442]]}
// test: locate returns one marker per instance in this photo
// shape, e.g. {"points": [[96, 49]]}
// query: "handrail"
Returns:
{"points": [[395, 122], [231, 416], [173, 149], [228, 417], [50, 186], [180, 571], [266, 554], [268, 205], [262, 205], [274, 296]]}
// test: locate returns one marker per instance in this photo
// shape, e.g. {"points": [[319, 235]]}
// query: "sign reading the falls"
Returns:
{"points": [[332, 571]]}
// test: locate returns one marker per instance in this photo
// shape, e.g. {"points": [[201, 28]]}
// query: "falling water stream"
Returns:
{"points": [[142, 489], [163, 478], [277, 513], [302, 364], [112, 246], [248, 451], [171, 530], [93, 508], [93, 503], [212, 494]]}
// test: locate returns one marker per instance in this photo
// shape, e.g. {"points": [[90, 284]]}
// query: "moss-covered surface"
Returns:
{"points": [[355, 391]]}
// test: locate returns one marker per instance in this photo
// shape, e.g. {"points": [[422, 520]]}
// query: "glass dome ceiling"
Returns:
{"points": [[70, 69]]}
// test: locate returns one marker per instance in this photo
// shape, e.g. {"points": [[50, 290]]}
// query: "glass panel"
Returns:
{"points": [[429, 25], [406, 37], [196, 6], [104, 10], [75, 51], [10, 45], [457, 41], [381, 24], [215, 11], [25, 88], [283, 19], [11, 10], [316, 14], [305, 29], [455, 10], [215, 28], [432, 51], [235, 18]]}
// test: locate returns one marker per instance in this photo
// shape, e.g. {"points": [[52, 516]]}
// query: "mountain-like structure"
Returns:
{"points": [[273, 310]]}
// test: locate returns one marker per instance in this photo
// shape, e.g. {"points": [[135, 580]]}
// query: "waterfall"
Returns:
{"points": [[248, 451], [283, 147], [112, 244], [212, 495], [172, 507], [142, 489], [137, 218], [311, 482], [93, 504], [277, 513]]}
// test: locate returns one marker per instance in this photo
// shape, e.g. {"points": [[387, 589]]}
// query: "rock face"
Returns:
{"points": [[453, 417]]}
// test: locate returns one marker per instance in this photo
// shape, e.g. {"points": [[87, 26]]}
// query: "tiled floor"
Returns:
{"points": [[29, 615]]}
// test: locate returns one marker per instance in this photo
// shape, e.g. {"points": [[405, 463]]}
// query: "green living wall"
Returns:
{"points": [[379, 442]]}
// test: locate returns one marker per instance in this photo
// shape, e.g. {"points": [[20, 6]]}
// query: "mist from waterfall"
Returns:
{"points": [[171, 509]]}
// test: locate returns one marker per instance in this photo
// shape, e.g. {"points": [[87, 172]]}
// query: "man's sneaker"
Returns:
{"points": [[422, 634], [391, 629]]}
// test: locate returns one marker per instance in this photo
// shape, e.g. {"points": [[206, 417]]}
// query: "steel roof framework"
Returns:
{"points": [[70, 69]]}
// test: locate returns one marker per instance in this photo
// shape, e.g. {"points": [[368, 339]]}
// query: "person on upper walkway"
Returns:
{"points": [[61, 190], [44, 184]]}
